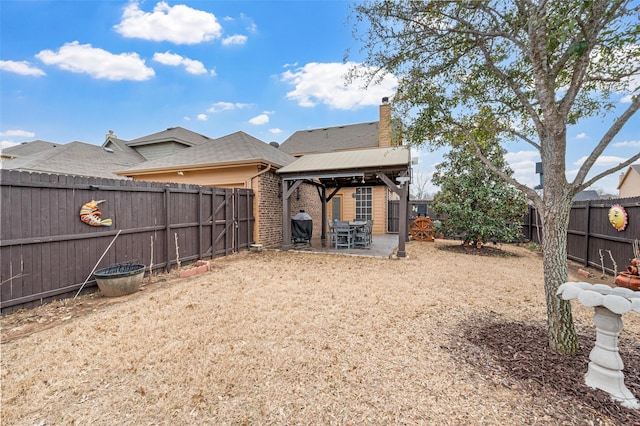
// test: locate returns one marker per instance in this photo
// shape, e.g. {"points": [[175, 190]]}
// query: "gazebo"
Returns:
{"points": [[330, 172]]}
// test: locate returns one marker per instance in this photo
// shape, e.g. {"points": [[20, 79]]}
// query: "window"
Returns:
{"points": [[364, 204]]}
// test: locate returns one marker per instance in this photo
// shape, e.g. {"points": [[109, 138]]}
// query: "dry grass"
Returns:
{"points": [[291, 338]]}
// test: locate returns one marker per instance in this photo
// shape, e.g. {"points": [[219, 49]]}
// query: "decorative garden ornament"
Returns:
{"points": [[618, 217], [90, 214]]}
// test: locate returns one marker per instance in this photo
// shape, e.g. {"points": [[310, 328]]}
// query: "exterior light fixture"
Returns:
{"points": [[403, 179]]}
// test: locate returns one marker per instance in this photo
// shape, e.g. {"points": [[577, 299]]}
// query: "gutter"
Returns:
{"points": [[261, 172]]}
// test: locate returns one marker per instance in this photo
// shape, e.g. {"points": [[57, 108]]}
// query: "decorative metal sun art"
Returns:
{"points": [[618, 217]]}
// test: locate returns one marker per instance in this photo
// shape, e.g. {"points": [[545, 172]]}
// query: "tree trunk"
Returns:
{"points": [[560, 328]]}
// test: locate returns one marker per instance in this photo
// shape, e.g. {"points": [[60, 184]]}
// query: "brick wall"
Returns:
{"points": [[384, 132], [268, 210], [309, 201]]}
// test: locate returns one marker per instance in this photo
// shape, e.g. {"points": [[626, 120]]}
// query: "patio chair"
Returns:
{"points": [[363, 235], [332, 232], [344, 234]]}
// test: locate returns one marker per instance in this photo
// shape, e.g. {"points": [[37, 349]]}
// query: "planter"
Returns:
{"points": [[628, 281], [120, 280]]}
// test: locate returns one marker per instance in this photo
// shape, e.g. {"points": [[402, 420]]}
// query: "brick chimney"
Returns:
{"points": [[384, 127]]}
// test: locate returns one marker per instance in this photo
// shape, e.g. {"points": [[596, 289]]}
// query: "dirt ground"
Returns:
{"points": [[442, 337]]}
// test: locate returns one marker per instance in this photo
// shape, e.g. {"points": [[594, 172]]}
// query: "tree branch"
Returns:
{"points": [[605, 141]]}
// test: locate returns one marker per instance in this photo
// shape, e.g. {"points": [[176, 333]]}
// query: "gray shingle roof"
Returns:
{"points": [[588, 194], [28, 148], [339, 138], [236, 148], [76, 158], [172, 134]]}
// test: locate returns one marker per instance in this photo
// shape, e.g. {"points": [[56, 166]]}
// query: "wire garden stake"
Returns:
{"points": [[177, 250], [96, 265], [151, 262]]}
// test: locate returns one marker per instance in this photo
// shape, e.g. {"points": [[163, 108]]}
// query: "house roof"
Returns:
{"points": [[236, 148], [350, 168], [588, 194], [329, 139], [27, 148], [634, 167], [76, 158], [172, 134]]}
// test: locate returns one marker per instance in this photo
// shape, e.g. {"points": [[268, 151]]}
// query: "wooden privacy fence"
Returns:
{"points": [[46, 252], [591, 239]]}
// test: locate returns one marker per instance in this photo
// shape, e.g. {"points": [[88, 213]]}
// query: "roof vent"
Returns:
{"points": [[274, 144], [108, 149]]}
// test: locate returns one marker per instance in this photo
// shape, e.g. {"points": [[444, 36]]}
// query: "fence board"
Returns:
{"points": [[46, 252], [591, 240]]}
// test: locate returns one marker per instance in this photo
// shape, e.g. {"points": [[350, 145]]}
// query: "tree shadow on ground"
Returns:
{"points": [[517, 356]]}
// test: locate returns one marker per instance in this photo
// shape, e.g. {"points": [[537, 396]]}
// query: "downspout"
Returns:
{"points": [[261, 172]]}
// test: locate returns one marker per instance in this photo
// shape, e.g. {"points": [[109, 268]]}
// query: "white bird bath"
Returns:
{"points": [[605, 368]]}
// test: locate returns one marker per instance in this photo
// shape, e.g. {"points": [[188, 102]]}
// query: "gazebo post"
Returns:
{"points": [[323, 196], [286, 213], [402, 234], [286, 220]]}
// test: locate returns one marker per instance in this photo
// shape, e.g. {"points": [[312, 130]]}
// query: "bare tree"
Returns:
{"points": [[522, 70]]}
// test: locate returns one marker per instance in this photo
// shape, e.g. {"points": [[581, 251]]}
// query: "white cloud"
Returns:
{"points": [[523, 164], [202, 117], [325, 83], [7, 144], [260, 119], [581, 136], [17, 134], [226, 106], [98, 63], [632, 144], [626, 99], [234, 40], [173, 59], [603, 160], [275, 131], [179, 24], [21, 67]]}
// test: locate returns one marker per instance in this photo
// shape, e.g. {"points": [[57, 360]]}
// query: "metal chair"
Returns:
{"points": [[332, 232], [363, 235], [344, 234]]}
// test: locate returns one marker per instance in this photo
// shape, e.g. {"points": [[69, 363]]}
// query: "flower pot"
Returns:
{"points": [[628, 281], [120, 280]]}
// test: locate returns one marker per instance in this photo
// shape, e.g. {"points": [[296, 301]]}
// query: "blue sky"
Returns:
{"points": [[73, 70]]}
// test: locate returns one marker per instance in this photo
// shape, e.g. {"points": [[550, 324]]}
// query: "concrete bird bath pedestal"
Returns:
{"points": [[605, 368]]}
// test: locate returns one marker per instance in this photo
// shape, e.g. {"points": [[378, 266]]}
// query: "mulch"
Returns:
{"points": [[526, 363]]}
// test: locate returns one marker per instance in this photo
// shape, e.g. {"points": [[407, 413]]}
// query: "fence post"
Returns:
{"points": [[199, 223], [167, 202], [587, 233]]}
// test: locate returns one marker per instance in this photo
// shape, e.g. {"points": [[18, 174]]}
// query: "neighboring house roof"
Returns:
{"points": [[586, 195], [76, 158], [234, 149], [339, 138], [27, 148], [635, 168], [172, 134]]}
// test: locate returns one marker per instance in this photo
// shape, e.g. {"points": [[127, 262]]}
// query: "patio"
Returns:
{"points": [[382, 246]]}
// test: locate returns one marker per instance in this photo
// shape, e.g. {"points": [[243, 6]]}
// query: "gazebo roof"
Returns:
{"points": [[349, 168]]}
